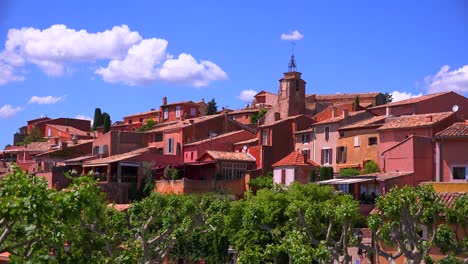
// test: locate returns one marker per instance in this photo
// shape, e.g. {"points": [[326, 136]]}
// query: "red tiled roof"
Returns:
{"points": [[216, 137], [456, 130], [283, 120], [243, 111], [339, 118], [143, 113], [179, 103], [31, 147], [411, 100], [70, 130], [413, 121], [118, 157], [372, 122], [295, 158], [230, 156], [246, 141], [120, 207], [182, 123], [448, 198], [327, 113], [346, 96]]}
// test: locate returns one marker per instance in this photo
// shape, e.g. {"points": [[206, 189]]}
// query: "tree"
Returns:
{"points": [[35, 135], [98, 118], [211, 109], [262, 181], [106, 122], [148, 126], [402, 214], [255, 117], [370, 167], [388, 97], [356, 104]]}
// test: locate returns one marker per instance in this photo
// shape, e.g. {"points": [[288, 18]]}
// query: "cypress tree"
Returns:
{"points": [[98, 118], [106, 123]]}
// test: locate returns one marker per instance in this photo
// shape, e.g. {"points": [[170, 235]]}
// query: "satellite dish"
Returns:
{"points": [[455, 108], [244, 149]]}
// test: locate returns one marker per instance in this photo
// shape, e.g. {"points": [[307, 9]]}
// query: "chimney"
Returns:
{"points": [[203, 100], [388, 111], [191, 122], [68, 130], [345, 113], [277, 116], [164, 100], [429, 118], [333, 112], [152, 109]]}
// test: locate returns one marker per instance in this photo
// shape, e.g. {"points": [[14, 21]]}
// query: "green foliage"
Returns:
{"points": [[35, 135], [255, 117], [347, 172], [326, 173], [402, 211], [149, 125], [98, 118], [171, 173], [211, 109], [106, 122], [262, 181], [370, 167]]}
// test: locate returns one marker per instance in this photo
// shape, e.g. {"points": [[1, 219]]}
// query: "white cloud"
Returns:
{"points": [[7, 74], [247, 95], [132, 59], [295, 35], [7, 111], [186, 70], [399, 96], [44, 100], [84, 117], [447, 80]]}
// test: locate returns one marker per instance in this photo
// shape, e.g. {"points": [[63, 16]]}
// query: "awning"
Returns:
{"points": [[346, 181]]}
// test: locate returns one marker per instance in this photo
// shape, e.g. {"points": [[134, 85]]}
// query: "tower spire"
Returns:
{"points": [[292, 62]]}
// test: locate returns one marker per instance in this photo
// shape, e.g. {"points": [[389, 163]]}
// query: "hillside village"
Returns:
{"points": [[329, 139]]}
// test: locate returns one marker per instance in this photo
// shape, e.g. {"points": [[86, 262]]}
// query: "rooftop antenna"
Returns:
{"points": [[292, 62]]}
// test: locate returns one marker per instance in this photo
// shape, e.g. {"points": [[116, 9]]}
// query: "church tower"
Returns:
{"points": [[291, 94]]}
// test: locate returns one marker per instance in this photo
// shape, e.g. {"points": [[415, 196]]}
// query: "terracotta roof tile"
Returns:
{"points": [[295, 158], [230, 156], [339, 118], [411, 100], [346, 96], [246, 141], [182, 123], [283, 120], [216, 137], [448, 198], [456, 130], [372, 122], [413, 121], [144, 113], [70, 130], [118, 157]]}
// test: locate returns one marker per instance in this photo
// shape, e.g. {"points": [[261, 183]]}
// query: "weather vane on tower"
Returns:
{"points": [[292, 62]]}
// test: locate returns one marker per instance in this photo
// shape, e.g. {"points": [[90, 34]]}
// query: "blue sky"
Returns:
{"points": [[65, 58]]}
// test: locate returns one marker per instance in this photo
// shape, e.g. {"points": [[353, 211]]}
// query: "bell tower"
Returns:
{"points": [[291, 94]]}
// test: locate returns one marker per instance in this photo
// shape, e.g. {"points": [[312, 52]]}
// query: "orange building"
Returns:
{"points": [[135, 121], [181, 110]]}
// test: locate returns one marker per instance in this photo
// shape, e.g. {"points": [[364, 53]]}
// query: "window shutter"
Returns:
{"points": [[338, 156], [331, 156], [322, 156], [344, 154]]}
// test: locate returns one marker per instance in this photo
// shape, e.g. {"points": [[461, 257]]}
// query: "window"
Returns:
{"points": [[177, 111], [283, 176], [170, 145], [372, 141], [297, 85], [305, 138], [327, 156], [160, 151], [356, 142], [166, 113], [178, 149], [265, 137], [193, 111], [341, 134], [306, 152], [158, 137], [191, 155], [49, 132], [327, 133], [460, 173], [341, 155], [141, 119]]}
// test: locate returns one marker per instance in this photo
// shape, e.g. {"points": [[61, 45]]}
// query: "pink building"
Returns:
{"points": [[222, 142], [181, 110], [294, 167], [451, 159], [431, 103]]}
